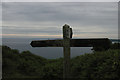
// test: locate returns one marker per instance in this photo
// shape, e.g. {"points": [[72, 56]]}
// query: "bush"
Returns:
{"points": [[115, 46], [97, 65]]}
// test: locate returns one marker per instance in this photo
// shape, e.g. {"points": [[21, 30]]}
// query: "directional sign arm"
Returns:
{"points": [[90, 42], [98, 44], [47, 43]]}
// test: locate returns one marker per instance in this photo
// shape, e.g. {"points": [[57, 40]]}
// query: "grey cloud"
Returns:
{"points": [[30, 30], [82, 15]]}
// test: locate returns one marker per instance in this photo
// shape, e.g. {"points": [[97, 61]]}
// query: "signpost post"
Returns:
{"points": [[98, 44], [66, 48]]}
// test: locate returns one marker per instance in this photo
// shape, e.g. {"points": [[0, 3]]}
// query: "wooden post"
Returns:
{"points": [[66, 49]]}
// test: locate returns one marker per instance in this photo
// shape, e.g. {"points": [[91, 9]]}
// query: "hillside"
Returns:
{"points": [[105, 64]]}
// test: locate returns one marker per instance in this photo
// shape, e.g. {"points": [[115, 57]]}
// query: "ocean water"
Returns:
{"points": [[23, 44]]}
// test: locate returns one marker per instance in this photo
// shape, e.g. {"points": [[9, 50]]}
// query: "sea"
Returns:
{"points": [[23, 44]]}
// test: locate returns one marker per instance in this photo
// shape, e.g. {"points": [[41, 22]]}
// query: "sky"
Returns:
{"points": [[59, 0], [45, 19]]}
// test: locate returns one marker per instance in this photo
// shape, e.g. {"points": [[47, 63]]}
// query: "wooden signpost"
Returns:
{"points": [[98, 44], [67, 33]]}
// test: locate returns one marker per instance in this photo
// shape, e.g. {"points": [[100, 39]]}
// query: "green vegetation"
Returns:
{"points": [[97, 65], [115, 46]]}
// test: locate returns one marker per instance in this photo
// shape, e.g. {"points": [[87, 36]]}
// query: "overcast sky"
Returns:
{"points": [[45, 20], [59, 0]]}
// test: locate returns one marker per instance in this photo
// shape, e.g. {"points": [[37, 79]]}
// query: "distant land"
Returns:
{"points": [[115, 40]]}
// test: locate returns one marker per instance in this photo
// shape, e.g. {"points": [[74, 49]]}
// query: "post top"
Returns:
{"points": [[66, 26]]}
